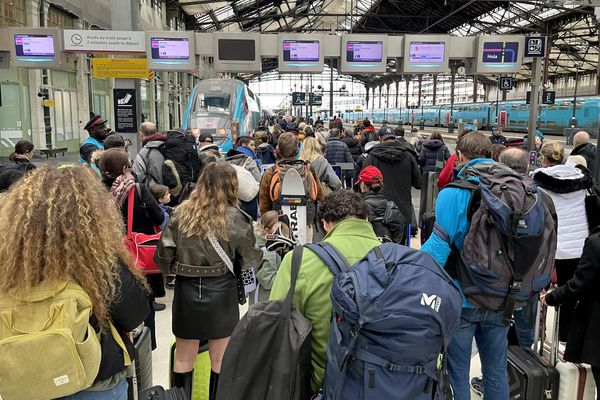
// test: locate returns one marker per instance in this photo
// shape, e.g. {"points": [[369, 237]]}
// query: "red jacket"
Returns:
{"points": [[447, 173]]}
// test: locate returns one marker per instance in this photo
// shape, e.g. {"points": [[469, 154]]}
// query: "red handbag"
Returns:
{"points": [[141, 245]]}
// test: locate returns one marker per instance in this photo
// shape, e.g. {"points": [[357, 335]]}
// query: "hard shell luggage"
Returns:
{"points": [[160, 393], [576, 380], [530, 377], [201, 378], [143, 357], [429, 192]]}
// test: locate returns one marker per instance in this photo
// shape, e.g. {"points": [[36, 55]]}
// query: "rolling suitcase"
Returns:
{"points": [[201, 379], [576, 380], [531, 376]]}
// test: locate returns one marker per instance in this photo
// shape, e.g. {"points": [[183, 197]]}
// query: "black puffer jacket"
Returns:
{"points": [[12, 171], [429, 152], [583, 345], [353, 146], [386, 218], [129, 310], [587, 151], [398, 164]]}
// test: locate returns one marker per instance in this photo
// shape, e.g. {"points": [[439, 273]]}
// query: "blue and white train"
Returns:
{"points": [[225, 108], [512, 115]]}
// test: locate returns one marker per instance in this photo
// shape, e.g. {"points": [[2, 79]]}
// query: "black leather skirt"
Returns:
{"points": [[205, 308]]}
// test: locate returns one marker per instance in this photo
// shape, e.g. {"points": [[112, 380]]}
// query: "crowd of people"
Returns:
{"points": [[215, 213]]}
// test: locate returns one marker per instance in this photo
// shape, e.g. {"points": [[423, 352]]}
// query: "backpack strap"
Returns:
{"points": [[295, 269], [334, 260], [475, 198], [130, 201]]}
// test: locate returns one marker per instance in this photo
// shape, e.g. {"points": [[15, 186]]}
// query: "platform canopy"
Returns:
{"points": [[571, 27]]}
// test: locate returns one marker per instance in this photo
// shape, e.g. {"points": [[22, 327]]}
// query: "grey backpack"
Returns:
{"points": [[509, 249]]}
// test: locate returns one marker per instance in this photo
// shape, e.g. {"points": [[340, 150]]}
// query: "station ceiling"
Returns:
{"points": [[572, 29]]}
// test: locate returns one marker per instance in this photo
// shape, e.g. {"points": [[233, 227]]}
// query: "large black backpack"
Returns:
{"points": [[509, 250], [182, 164], [268, 355]]}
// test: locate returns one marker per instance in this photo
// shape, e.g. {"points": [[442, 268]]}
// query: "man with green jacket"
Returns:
{"points": [[344, 215]]}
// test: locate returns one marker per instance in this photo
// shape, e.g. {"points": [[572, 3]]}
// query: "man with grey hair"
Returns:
{"points": [[583, 147], [148, 164], [516, 159]]}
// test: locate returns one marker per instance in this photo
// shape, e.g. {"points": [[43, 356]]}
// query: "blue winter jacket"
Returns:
{"points": [[248, 151], [451, 216]]}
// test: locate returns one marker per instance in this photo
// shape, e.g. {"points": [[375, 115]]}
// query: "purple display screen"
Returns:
{"points": [[301, 50], [362, 52], [170, 48], [34, 45], [427, 52]]}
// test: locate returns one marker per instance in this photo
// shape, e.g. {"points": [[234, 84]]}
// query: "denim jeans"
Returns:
{"points": [[490, 334], [119, 392], [525, 322]]}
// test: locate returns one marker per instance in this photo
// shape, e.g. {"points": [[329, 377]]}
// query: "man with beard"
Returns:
{"points": [[98, 132]]}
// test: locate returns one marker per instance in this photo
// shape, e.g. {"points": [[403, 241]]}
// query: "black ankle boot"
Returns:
{"points": [[184, 381], [214, 385]]}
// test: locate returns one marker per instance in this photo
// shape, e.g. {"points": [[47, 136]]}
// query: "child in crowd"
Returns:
{"points": [[163, 197], [265, 273]]}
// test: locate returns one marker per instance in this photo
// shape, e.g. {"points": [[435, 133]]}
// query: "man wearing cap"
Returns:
{"points": [[398, 163], [148, 164], [209, 151], [96, 128]]}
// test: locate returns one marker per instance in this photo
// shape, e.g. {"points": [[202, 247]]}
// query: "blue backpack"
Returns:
{"points": [[394, 314]]}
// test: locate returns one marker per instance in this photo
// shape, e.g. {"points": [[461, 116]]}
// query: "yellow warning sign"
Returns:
{"points": [[121, 68], [48, 103]]}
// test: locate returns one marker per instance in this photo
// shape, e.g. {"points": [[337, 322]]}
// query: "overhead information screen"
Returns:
{"points": [[236, 50], [170, 51], [298, 54], [301, 50], [364, 52], [498, 54], [37, 48], [34, 45], [426, 54], [170, 48]]}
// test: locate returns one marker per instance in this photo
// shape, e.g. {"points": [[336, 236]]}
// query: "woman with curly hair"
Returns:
{"points": [[60, 225], [207, 234]]}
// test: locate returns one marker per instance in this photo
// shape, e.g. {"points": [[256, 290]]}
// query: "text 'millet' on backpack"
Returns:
{"points": [[310, 184], [509, 249], [394, 314]]}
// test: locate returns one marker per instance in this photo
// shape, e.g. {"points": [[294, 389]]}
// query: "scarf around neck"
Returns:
{"points": [[121, 187]]}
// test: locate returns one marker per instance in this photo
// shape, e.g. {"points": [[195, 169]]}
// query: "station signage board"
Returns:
{"points": [[37, 48], [300, 53], [298, 98], [237, 52], [426, 54], [535, 46], [125, 110], [506, 83], [122, 68], [96, 41], [499, 54], [364, 54], [171, 51], [315, 100]]}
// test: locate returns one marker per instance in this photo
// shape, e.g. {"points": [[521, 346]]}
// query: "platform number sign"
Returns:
{"points": [[506, 83], [298, 98], [548, 97], [535, 46]]}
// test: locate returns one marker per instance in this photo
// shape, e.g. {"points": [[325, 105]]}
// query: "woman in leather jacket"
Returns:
{"points": [[208, 233]]}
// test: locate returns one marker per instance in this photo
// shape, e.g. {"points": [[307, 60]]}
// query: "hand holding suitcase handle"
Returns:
{"points": [[542, 323]]}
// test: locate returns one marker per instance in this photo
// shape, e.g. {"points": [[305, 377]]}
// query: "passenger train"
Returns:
{"points": [[225, 108], [513, 116]]}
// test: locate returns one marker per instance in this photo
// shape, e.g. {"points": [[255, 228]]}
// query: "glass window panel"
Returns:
{"points": [[68, 129], [59, 123], [75, 115], [10, 115]]}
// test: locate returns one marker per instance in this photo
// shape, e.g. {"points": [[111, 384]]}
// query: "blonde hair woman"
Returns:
{"points": [[567, 187], [313, 153], [208, 231], [60, 225]]}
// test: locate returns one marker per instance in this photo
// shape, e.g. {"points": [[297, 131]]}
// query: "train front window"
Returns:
{"points": [[213, 102]]}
